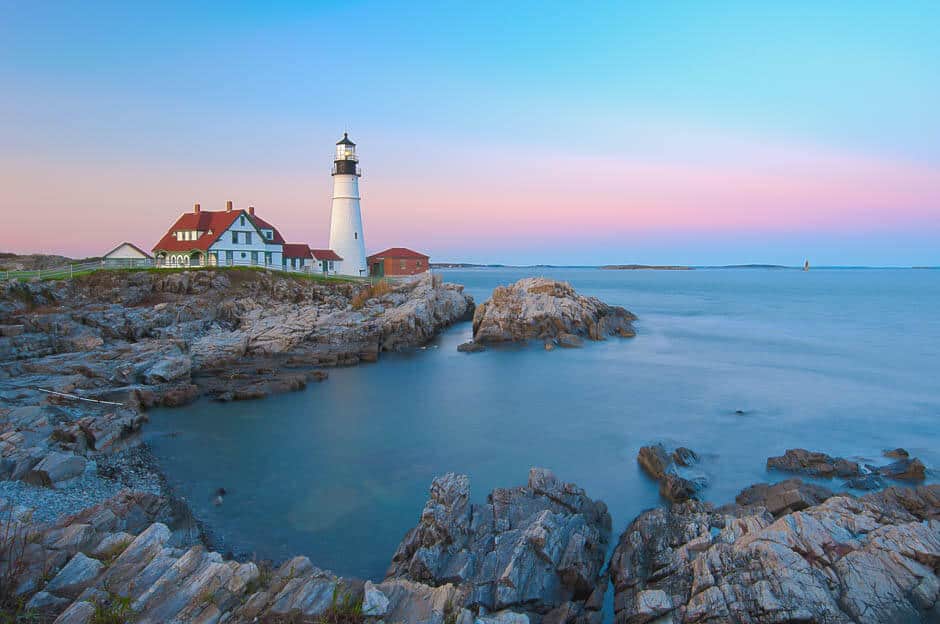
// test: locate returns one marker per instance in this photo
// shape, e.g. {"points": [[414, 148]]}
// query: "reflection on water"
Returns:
{"points": [[837, 360]]}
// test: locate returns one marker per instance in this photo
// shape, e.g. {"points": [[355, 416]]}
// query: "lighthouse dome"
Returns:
{"points": [[345, 140]]}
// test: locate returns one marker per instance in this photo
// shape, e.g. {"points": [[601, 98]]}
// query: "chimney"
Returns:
{"points": [[196, 208], [228, 206], [251, 210]]}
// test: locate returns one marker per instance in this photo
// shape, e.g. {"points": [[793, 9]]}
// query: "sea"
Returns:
{"points": [[736, 364]]}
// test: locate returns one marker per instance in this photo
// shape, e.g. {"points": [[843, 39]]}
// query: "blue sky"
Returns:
{"points": [[135, 112]]}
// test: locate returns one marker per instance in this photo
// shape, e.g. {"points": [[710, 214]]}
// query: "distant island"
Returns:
{"points": [[646, 267]]}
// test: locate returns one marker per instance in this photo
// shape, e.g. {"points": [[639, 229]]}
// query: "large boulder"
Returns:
{"points": [[846, 560], [538, 548], [814, 464], [55, 469], [541, 308], [783, 497]]}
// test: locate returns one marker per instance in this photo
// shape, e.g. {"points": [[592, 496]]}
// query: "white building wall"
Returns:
{"points": [[241, 252], [126, 251], [346, 236]]}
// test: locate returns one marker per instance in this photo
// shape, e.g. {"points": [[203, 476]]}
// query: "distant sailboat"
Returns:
{"points": [[806, 265]]}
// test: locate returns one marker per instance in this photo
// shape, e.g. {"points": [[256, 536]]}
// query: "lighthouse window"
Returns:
{"points": [[356, 235]]}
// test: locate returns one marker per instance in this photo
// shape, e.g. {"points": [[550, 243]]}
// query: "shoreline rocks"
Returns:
{"points": [[530, 554], [867, 560], [538, 308]]}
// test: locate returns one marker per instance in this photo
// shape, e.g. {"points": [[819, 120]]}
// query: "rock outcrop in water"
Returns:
{"points": [[538, 549], [846, 560], [868, 478], [664, 467], [537, 308]]}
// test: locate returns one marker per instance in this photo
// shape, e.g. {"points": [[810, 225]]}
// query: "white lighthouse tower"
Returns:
{"points": [[345, 218]]}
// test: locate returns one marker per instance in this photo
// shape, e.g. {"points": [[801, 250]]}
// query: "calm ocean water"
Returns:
{"points": [[844, 361]]}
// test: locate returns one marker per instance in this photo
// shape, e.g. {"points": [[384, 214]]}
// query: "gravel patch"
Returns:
{"points": [[100, 481]]}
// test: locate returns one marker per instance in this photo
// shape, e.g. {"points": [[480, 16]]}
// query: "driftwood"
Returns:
{"points": [[78, 398]]}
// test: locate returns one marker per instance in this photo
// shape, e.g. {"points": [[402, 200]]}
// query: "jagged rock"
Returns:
{"points": [[78, 574], [374, 602], [47, 603], [570, 341], [470, 347], [846, 560], [56, 468], [658, 463], [168, 369], [529, 549], [814, 464], [112, 544], [503, 617], [868, 481], [106, 432], [903, 470], [684, 456], [897, 453], [783, 497], [77, 613], [540, 308]]}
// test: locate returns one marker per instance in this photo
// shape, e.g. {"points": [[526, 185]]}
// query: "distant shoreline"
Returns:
{"points": [[645, 267]]}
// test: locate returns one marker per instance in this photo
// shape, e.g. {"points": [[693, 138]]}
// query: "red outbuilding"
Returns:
{"points": [[397, 261]]}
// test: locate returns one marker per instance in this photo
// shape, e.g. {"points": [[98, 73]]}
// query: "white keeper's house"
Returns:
{"points": [[233, 237]]}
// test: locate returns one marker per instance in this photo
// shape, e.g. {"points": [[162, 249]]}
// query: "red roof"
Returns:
{"points": [[325, 254], [397, 252], [264, 225], [296, 250], [206, 221]]}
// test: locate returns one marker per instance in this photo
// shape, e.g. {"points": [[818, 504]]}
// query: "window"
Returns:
{"points": [[234, 238], [417, 263], [269, 234], [283, 261], [243, 254], [241, 220], [247, 238], [267, 257], [254, 257], [356, 235], [229, 256], [403, 263]]}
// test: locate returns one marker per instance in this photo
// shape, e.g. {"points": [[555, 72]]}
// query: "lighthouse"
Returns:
{"points": [[345, 217]]}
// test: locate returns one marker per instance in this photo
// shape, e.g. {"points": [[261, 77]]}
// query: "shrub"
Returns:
{"points": [[382, 287], [115, 610]]}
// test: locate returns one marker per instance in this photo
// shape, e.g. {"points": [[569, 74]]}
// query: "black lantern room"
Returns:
{"points": [[345, 161]]}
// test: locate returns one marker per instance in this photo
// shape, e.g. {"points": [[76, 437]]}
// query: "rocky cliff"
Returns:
{"points": [[167, 336]]}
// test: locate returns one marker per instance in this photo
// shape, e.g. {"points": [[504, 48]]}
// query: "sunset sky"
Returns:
{"points": [[568, 133]]}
